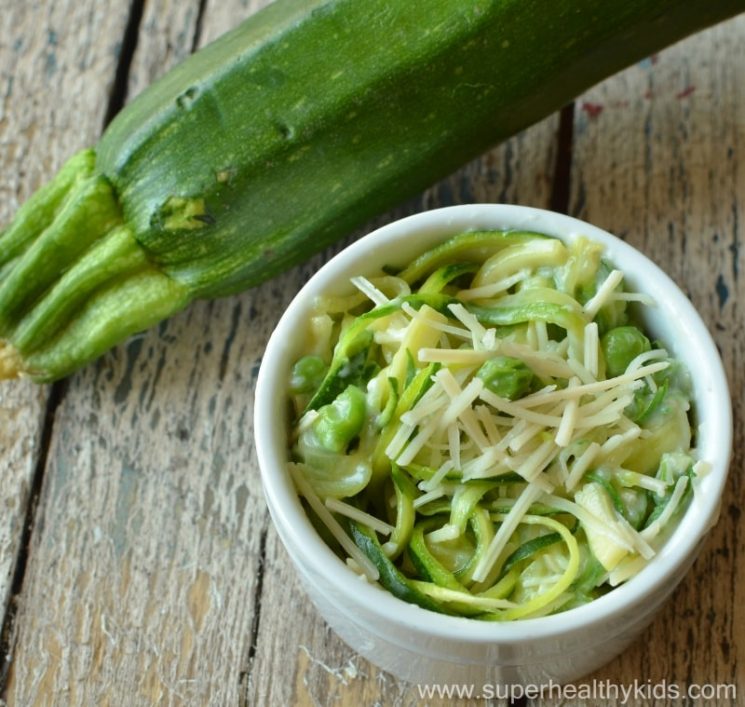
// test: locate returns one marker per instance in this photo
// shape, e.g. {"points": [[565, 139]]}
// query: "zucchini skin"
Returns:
{"points": [[312, 117], [284, 135]]}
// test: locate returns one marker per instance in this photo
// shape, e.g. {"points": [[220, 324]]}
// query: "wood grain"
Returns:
{"points": [[56, 72], [167, 35], [143, 574]]}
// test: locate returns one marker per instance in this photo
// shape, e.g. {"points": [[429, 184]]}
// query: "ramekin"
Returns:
{"points": [[420, 646]]}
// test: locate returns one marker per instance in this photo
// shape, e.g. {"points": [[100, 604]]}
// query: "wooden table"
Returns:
{"points": [[138, 564]]}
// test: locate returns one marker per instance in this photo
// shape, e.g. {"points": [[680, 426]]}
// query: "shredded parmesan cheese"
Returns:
{"points": [[651, 531], [333, 525], [581, 465], [502, 536], [568, 418], [438, 477], [592, 345], [593, 388], [626, 569], [470, 322], [425, 498], [369, 290], [356, 514], [618, 440], [601, 297], [646, 300]]}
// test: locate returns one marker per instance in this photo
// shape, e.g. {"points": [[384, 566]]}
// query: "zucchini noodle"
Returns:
{"points": [[491, 433]]}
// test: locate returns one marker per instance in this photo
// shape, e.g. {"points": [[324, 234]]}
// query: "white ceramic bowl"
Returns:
{"points": [[423, 647]]}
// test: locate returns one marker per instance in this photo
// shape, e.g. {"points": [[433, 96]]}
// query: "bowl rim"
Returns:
{"points": [[294, 525]]}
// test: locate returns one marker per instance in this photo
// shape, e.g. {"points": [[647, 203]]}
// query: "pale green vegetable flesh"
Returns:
{"points": [[524, 445], [506, 376], [621, 346]]}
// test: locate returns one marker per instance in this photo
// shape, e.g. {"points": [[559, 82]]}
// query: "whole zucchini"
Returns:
{"points": [[283, 135]]}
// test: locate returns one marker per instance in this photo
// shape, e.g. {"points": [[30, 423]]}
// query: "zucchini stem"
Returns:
{"points": [[11, 363], [43, 206], [75, 281]]}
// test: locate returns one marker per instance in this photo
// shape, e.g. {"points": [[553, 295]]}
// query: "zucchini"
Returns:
{"points": [[283, 135]]}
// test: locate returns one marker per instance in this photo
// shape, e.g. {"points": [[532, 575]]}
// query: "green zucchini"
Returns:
{"points": [[285, 134]]}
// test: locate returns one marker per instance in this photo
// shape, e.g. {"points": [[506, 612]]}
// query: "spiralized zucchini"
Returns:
{"points": [[491, 433]]}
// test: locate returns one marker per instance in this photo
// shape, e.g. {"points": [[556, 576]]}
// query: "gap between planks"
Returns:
{"points": [[118, 95], [7, 633], [561, 183]]}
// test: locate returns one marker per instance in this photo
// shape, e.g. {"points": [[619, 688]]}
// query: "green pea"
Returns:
{"points": [[307, 374], [338, 423], [506, 376], [620, 346]]}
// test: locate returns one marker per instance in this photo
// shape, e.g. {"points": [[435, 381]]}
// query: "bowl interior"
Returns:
{"points": [[673, 320]]}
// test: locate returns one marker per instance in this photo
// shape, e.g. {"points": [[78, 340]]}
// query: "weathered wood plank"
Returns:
{"points": [[57, 63], [142, 577], [166, 37], [659, 159], [223, 16]]}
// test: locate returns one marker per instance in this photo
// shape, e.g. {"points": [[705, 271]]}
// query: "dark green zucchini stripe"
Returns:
{"points": [[282, 136]]}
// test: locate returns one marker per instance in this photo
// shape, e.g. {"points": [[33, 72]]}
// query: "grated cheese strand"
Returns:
{"points": [[417, 443], [506, 529], [541, 334], [627, 568], [615, 441], [590, 520], [518, 410], [635, 537], [451, 386], [438, 477], [454, 444], [432, 495], [637, 362], [653, 530], [592, 345], [370, 521], [488, 423], [581, 465], [580, 371], [537, 461], [332, 524], [568, 418], [461, 402], [539, 398], [399, 440], [470, 322], [646, 300], [425, 407], [369, 290], [467, 356], [600, 298], [542, 364]]}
